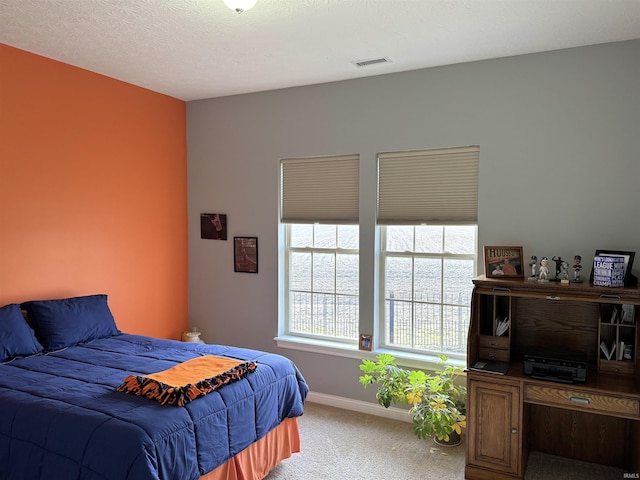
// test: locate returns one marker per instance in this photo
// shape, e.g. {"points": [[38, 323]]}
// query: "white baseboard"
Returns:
{"points": [[394, 413]]}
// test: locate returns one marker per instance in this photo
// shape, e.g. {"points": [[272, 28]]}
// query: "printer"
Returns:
{"points": [[564, 367]]}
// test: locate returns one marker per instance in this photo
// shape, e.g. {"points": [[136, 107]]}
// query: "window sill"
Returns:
{"points": [[338, 349]]}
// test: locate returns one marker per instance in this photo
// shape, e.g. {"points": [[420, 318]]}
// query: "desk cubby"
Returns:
{"points": [[493, 341], [618, 329]]}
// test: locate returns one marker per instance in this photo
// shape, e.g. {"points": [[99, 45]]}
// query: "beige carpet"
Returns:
{"points": [[343, 445]]}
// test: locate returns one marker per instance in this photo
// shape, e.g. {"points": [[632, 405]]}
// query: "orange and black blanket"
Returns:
{"points": [[188, 380]]}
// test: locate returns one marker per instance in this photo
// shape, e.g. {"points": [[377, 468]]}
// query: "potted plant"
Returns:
{"points": [[438, 403]]}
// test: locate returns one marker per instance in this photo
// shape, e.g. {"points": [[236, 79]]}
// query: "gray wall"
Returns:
{"points": [[559, 136]]}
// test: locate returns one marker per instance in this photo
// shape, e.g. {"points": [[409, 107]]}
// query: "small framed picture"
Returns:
{"points": [[629, 278], [245, 254], [501, 262], [213, 226], [366, 342]]}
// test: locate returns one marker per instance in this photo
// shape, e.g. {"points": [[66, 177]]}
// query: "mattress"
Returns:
{"points": [[61, 416]]}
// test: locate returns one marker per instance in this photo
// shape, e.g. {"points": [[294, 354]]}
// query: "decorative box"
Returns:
{"points": [[608, 271]]}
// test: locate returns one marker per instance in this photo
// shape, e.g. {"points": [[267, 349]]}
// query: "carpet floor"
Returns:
{"points": [[340, 444]]}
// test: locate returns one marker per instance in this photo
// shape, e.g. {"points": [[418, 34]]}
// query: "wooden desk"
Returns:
{"points": [[509, 415]]}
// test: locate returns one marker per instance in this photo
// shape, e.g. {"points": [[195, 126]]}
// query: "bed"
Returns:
{"points": [[64, 412]]}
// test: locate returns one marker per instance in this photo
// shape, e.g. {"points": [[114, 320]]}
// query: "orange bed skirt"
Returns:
{"points": [[259, 458]]}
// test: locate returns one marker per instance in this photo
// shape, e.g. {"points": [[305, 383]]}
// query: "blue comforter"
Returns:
{"points": [[62, 418]]}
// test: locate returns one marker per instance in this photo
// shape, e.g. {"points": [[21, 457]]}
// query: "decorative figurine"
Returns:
{"points": [[533, 264], [543, 275], [577, 269], [564, 272], [558, 261]]}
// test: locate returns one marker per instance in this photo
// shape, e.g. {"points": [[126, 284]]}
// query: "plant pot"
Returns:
{"points": [[454, 440]]}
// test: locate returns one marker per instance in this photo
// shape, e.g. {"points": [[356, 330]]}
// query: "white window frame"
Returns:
{"points": [[289, 250], [384, 254]]}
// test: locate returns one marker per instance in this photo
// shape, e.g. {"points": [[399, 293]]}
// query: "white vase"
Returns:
{"points": [[192, 336]]}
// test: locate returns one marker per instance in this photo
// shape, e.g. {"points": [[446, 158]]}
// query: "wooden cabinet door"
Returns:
{"points": [[493, 426]]}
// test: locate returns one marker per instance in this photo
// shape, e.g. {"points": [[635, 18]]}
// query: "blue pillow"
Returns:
{"points": [[70, 321], [16, 337]]}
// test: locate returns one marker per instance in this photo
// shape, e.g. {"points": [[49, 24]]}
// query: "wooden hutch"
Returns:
{"points": [[510, 414]]}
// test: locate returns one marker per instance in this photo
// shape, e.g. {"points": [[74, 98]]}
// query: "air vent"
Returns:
{"points": [[374, 61]]}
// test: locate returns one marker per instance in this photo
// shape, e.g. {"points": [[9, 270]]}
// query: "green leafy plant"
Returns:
{"points": [[438, 403]]}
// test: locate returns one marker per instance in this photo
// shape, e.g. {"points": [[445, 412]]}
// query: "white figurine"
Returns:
{"points": [[543, 275], [564, 268]]}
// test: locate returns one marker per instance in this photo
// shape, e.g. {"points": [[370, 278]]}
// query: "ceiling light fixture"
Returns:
{"points": [[240, 6]]}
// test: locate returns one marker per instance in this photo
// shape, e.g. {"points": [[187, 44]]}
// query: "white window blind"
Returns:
{"points": [[320, 190], [431, 186]]}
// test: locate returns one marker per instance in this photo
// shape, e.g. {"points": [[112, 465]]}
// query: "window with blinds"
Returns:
{"points": [[427, 209], [319, 207]]}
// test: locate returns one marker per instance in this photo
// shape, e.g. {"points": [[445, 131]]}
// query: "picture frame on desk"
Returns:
{"points": [[629, 278], [503, 262]]}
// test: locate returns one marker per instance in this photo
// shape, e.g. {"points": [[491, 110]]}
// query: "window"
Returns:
{"points": [[322, 279], [415, 298], [428, 210], [319, 208], [426, 275]]}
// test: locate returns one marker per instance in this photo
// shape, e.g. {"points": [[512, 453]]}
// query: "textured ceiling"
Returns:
{"points": [[193, 49]]}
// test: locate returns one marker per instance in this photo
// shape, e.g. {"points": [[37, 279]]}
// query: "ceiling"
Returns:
{"points": [[193, 49]]}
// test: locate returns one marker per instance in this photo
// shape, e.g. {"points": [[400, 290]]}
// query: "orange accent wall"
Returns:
{"points": [[93, 192]]}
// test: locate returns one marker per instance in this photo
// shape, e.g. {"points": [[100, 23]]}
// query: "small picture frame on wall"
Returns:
{"points": [[245, 254], [366, 342], [213, 226], [503, 262]]}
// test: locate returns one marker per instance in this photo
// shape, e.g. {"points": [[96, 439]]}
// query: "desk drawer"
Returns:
{"points": [[616, 366], [490, 341], [583, 400], [494, 354]]}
